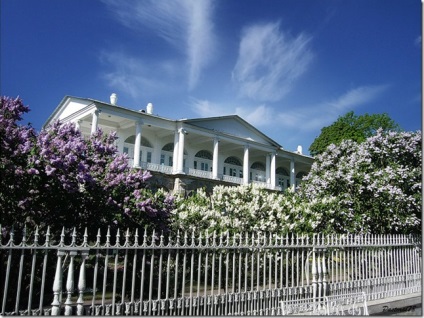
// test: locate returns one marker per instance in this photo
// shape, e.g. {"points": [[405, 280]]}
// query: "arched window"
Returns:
{"points": [[168, 147], [282, 171], [301, 174], [257, 166], [204, 154], [204, 160], [233, 161], [144, 141], [232, 167], [166, 156], [257, 171], [283, 178]]}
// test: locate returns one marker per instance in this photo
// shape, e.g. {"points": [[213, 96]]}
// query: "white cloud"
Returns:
{"points": [[257, 116], [418, 41], [301, 118], [356, 97], [205, 108], [137, 78], [270, 61], [317, 116], [185, 24]]}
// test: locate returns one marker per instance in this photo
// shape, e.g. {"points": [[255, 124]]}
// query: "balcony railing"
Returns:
{"points": [[232, 179], [266, 185], [200, 174], [159, 168]]}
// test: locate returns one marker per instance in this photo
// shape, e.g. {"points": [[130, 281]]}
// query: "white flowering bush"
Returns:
{"points": [[245, 209], [375, 186], [372, 187]]}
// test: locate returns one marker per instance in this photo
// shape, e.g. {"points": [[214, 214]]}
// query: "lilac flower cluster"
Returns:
{"points": [[60, 178], [376, 185]]}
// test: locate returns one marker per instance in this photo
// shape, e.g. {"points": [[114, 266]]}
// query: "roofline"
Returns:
{"points": [[237, 118], [188, 121]]}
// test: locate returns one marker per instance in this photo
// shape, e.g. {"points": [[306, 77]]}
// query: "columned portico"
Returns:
{"points": [[215, 158], [223, 149], [137, 144], [246, 165]]}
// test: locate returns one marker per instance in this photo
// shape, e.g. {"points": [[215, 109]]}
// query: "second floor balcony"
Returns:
{"points": [[197, 173]]}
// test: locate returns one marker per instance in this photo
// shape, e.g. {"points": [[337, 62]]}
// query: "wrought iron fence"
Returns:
{"points": [[206, 274]]}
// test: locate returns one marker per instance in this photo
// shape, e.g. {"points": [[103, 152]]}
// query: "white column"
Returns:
{"points": [[215, 158], [292, 174], [175, 154], [137, 144], [267, 169], [182, 132], [78, 124], [95, 120], [246, 165], [273, 164]]}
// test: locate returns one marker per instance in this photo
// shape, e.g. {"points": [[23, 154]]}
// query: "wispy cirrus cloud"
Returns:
{"points": [[313, 117], [185, 24], [270, 61], [254, 115], [356, 97], [138, 78]]}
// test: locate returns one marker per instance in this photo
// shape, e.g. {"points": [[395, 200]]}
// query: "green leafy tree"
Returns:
{"points": [[351, 127]]}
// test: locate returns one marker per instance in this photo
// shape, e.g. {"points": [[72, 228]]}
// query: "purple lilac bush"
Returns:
{"points": [[58, 178]]}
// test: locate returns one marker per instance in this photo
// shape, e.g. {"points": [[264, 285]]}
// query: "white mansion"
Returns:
{"points": [[186, 154]]}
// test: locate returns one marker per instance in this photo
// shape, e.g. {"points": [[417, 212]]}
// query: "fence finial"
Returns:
{"points": [[62, 237]]}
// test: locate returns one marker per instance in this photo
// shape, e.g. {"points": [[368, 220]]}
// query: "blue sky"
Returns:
{"points": [[288, 67]]}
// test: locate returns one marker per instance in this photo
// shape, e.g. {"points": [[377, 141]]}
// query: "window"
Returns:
{"points": [[162, 159], [149, 157], [205, 160], [257, 166], [233, 166], [233, 161], [204, 154]]}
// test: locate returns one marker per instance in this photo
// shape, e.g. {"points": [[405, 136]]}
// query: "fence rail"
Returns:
{"points": [[216, 274]]}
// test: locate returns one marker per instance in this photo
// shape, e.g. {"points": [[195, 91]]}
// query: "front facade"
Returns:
{"points": [[186, 154]]}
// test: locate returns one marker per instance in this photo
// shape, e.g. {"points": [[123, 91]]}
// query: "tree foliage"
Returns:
{"points": [[351, 127], [58, 178], [375, 186]]}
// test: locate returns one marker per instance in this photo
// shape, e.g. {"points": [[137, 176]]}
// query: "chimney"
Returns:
{"points": [[149, 108], [299, 149], [113, 99]]}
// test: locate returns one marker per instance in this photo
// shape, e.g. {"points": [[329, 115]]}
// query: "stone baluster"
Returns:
{"points": [[81, 285], [314, 274], [57, 285], [70, 284]]}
